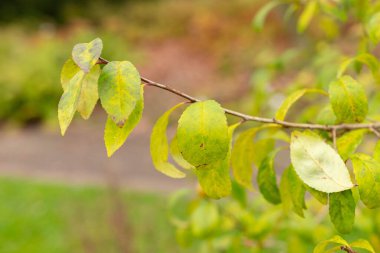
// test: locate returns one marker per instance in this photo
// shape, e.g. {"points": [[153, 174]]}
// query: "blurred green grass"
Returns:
{"points": [[45, 217]]}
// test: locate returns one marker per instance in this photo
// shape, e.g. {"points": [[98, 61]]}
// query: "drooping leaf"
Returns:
{"points": [[258, 21], [215, 178], [119, 90], [342, 210], [367, 174], [114, 136], [349, 142], [326, 116], [204, 219], [321, 247], [159, 147], [69, 102], [286, 195], [306, 16], [202, 133], [69, 70], [261, 148], [318, 164], [348, 100], [244, 154], [89, 92], [85, 55], [291, 99], [297, 192], [322, 197], [177, 156], [362, 244], [266, 179], [369, 60]]}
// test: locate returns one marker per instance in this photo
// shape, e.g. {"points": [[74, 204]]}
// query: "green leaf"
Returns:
{"points": [[348, 100], [69, 70], [322, 197], [372, 28], [177, 156], [286, 195], [215, 178], [261, 148], [326, 116], [349, 142], [159, 148], [307, 15], [291, 99], [367, 174], [89, 93], [114, 136], [119, 90], [376, 152], [362, 244], [364, 58], [204, 219], [266, 179], [69, 102], [297, 190], [85, 55], [318, 164], [321, 247], [202, 133], [258, 21], [342, 211]]}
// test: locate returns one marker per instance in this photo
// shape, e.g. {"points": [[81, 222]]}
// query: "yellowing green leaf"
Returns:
{"points": [[114, 136], [261, 149], [318, 164], [89, 92], [159, 148], [291, 99], [69, 70], [286, 195], [202, 133], [69, 102], [177, 156], [85, 55], [349, 142], [364, 58], [362, 244], [322, 197], [215, 178], [342, 210], [376, 152], [373, 28], [321, 247], [307, 14], [367, 174], [348, 100], [297, 192], [266, 179], [119, 90]]}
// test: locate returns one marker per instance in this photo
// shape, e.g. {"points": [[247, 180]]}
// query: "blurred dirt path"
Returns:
{"points": [[80, 158]]}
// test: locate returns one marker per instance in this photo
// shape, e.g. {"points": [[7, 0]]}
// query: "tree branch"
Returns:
{"points": [[246, 117]]}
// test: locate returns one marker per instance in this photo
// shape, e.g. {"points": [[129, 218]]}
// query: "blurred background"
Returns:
{"points": [[62, 194]]}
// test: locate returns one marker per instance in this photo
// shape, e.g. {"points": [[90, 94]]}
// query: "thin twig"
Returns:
{"points": [[373, 130], [333, 135], [347, 249], [246, 117]]}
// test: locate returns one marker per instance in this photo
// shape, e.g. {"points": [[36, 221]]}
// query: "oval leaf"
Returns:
{"points": [[317, 164], [159, 148], [177, 156], [204, 219], [342, 210], [114, 136], [367, 175], [348, 100], [69, 70], [362, 244], [266, 179], [69, 102], [215, 179], [203, 133], [89, 93], [85, 55], [321, 247], [307, 15], [119, 90]]}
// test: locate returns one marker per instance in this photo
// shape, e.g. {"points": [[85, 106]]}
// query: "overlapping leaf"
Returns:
{"points": [[342, 210], [348, 100], [318, 164], [367, 175], [202, 133], [119, 90], [85, 55], [294, 191], [159, 147], [349, 142], [114, 136]]}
